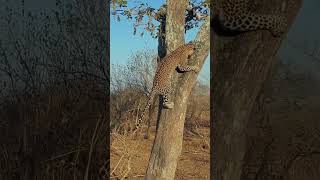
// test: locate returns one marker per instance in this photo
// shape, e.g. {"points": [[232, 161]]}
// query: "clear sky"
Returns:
{"points": [[123, 43]]}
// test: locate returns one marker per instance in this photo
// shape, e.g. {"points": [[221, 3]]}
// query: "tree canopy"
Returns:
{"points": [[149, 18]]}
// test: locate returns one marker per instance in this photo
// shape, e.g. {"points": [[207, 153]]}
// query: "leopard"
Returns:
{"points": [[165, 69], [161, 85], [234, 15]]}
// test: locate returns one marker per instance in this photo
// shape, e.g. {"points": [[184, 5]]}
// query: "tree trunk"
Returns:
{"points": [[168, 141], [236, 84]]}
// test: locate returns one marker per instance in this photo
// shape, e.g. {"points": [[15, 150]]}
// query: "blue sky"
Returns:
{"points": [[123, 43]]}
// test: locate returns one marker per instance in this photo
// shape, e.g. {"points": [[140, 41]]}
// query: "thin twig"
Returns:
{"points": [[93, 141]]}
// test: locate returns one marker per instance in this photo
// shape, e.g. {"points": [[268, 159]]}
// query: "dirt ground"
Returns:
{"points": [[130, 157]]}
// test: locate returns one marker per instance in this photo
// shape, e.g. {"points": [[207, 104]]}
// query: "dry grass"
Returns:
{"points": [[129, 157], [130, 154]]}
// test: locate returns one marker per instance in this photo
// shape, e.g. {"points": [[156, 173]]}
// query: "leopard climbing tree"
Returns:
{"points": [[168, 141], [161, 83], [175, 17]]}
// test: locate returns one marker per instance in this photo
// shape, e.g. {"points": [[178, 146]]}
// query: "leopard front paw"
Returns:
{"points": [[168, 105]]}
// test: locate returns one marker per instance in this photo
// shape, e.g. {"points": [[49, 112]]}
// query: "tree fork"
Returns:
{"points": [[168, 141]]}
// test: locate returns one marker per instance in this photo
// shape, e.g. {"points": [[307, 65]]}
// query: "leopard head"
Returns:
{"points": [[189, 49]]}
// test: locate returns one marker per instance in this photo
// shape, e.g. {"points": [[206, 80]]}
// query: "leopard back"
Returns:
{"points": [[169, 63], [235, 15]]}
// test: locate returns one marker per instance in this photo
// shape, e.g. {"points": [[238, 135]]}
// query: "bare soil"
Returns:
{"points": [[130, 157]]}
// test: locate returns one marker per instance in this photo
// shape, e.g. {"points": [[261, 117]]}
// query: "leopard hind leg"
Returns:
{"points": [[164, 92]]}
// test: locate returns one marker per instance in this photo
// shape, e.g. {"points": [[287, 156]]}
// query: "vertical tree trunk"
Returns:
{"points": [[168, 142], [241, 64]]}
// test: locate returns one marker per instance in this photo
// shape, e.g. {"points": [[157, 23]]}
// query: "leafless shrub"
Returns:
{"points": [[129, 85], [54, 77]]}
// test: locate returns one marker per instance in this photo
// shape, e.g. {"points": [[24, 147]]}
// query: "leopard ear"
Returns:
{"points": [[195, 44], [158, 59]]}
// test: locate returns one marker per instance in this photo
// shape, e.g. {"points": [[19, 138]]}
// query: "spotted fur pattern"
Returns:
{"points": [[165, 69], [235, 15]]}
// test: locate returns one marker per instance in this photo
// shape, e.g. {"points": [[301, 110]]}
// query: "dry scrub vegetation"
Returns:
{"points": [[53, 92], [129, 156]]}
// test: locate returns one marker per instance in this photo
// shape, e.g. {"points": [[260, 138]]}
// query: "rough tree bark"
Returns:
{"points": [[240, 66], [168, 141]]}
